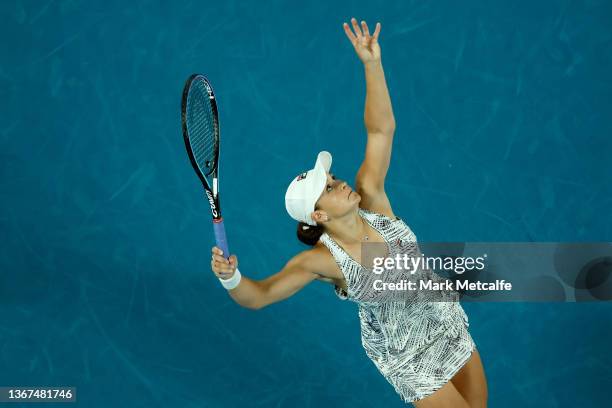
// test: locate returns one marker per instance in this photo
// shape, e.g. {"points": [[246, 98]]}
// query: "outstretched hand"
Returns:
{"points": [[366, 45]]}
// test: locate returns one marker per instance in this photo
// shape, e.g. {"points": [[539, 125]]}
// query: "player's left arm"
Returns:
{"points": [[379, 121]]}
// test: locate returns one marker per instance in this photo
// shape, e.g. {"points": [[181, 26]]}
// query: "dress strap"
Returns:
{"points": [[341, 259]]}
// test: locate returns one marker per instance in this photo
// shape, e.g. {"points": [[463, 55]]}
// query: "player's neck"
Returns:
{"points": [[349, 230]]}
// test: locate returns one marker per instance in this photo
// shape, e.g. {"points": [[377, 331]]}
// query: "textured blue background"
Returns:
{"points": [[504, 118]]}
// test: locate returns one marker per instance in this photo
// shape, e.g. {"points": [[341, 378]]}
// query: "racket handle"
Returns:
{"points": [[221, 238]]}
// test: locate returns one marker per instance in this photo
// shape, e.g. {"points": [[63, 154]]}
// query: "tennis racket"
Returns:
{"points": [[200, 120]]}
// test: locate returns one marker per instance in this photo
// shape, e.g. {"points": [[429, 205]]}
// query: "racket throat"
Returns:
{"points": [[213, 200], [214, 205]]}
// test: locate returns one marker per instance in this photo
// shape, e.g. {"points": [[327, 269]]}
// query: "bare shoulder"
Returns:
{"points": [[319, 261]]}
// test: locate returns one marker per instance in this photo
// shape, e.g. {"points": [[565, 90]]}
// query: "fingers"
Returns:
{"points": [[361, 34], [376, 32], [220, 260], [233, 260], [365, 29], [356, 28], [222, 267], [349, 34]]}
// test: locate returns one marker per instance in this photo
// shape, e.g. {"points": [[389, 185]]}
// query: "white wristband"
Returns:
{"points": [[232, 282]]}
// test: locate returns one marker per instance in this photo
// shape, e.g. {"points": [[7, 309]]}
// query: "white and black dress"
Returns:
{"points": [[417, 346]]}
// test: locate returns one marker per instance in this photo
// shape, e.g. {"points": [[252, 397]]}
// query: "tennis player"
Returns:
{"points": [[423, 349]]}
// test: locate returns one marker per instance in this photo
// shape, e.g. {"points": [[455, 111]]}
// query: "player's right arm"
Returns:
{"points": [[255, 294]]}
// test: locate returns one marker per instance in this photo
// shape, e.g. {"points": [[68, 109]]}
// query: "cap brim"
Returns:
{"points": [[324, 159], [319, 182], [322, 166]]}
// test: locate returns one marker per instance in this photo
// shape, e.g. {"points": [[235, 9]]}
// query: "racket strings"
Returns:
{"points": [[202, 128]]}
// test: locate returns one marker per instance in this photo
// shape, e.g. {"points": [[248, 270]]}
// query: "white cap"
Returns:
{"points": [[306, 188]]}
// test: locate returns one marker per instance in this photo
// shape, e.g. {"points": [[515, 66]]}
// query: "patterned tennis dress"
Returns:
{"points": [[417, 346]]}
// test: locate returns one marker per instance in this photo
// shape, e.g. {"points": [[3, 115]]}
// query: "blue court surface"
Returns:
{"points": [[504, 133]]}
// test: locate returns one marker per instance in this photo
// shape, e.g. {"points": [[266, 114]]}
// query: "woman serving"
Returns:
{"points": [[423, 349]]}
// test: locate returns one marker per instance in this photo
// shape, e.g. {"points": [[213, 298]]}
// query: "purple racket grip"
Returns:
{"points": [[221, 238]]}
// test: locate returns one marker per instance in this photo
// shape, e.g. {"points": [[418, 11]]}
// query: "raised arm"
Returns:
{"points": [[378, 118], [253, 294]]}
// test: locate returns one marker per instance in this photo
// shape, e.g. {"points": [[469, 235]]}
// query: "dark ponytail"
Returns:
{"points": [[309, 234]]}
